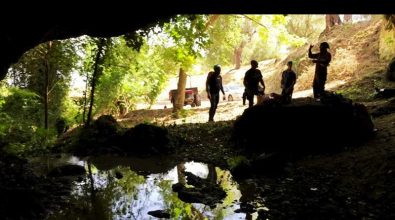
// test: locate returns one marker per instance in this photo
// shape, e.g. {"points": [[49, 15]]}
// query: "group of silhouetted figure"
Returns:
{"points": [[255, 86]]}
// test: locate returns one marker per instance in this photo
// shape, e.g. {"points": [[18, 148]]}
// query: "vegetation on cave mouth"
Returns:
{"points": [[58, 97]]}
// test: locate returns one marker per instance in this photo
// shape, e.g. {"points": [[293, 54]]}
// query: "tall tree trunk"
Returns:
{"points": [[180, 98], [237, 55], [332, 20], [212, 174], [249, 31], [46, 86], [94, 78], [85, 98], [212, 19], [46, 82], [391, 21]]}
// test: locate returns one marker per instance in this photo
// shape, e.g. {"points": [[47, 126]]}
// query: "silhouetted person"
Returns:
{"points": [[251, 81], [244, 96], [213, 86], [288, 80], [322, 60], [61, 126]]}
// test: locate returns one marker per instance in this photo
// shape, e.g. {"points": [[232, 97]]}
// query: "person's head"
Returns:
{"points": [[324, 46], [289, 65], [254, 64], [217, 68]]}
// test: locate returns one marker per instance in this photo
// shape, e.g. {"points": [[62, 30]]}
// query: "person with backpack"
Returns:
{"points": [[213, 87], [251, 81]]}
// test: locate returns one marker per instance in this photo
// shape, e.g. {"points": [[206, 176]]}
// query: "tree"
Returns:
{"points": [[46, 70], [390, 18], [332, 20], [188, 35], [46, 84], [129, 76], [306, 26], [247, 31], [237, 39], [226, 36], [102, 47]]}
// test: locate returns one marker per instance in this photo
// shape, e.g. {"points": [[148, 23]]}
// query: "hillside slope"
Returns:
{"points": [[355, 56], [355, 50]]}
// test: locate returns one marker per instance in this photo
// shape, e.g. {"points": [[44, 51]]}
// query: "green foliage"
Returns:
{"points": [[70, 111], [188, 38], [130, 77], [178, 209], [257, 36], [185, 113], [22, 106], [363, 90], [275, 38], [58, 59], [236, 161], [23, 109], [19, 132], [308, 27], [387, 44], [225, 35]]}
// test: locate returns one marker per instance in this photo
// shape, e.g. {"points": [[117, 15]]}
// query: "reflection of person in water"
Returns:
{"points": [[322, 60]]}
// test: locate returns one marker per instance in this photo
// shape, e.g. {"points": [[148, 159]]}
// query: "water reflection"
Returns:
{"points": [[103, 196], [42, 165]]}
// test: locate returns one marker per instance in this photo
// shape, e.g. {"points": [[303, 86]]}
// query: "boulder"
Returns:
{"points": [[67, 170], [390, 72], [203, 191], [159, 214], [305, 125], [147, 139]]}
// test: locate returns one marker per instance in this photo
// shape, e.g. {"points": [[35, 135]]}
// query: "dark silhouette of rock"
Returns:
{"points": [[384, 93], [101, 137], [147, 139], [245, 208], [305, 126], [118, 175], [386, 109], [204, 191], [67, 170], [159, 214], [106, 125], [390, 72]]}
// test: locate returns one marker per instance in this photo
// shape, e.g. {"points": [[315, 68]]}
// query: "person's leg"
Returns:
{"points": [[322, 80], [212, 108], [250, 98], [316, 86], [290, 92], [259, 99], [214, 103], [244, 97]]}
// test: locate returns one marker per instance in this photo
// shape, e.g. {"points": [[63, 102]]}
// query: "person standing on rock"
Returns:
{"points": [[322, 60], [251, 81], [213, 86], [288, 80]]}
